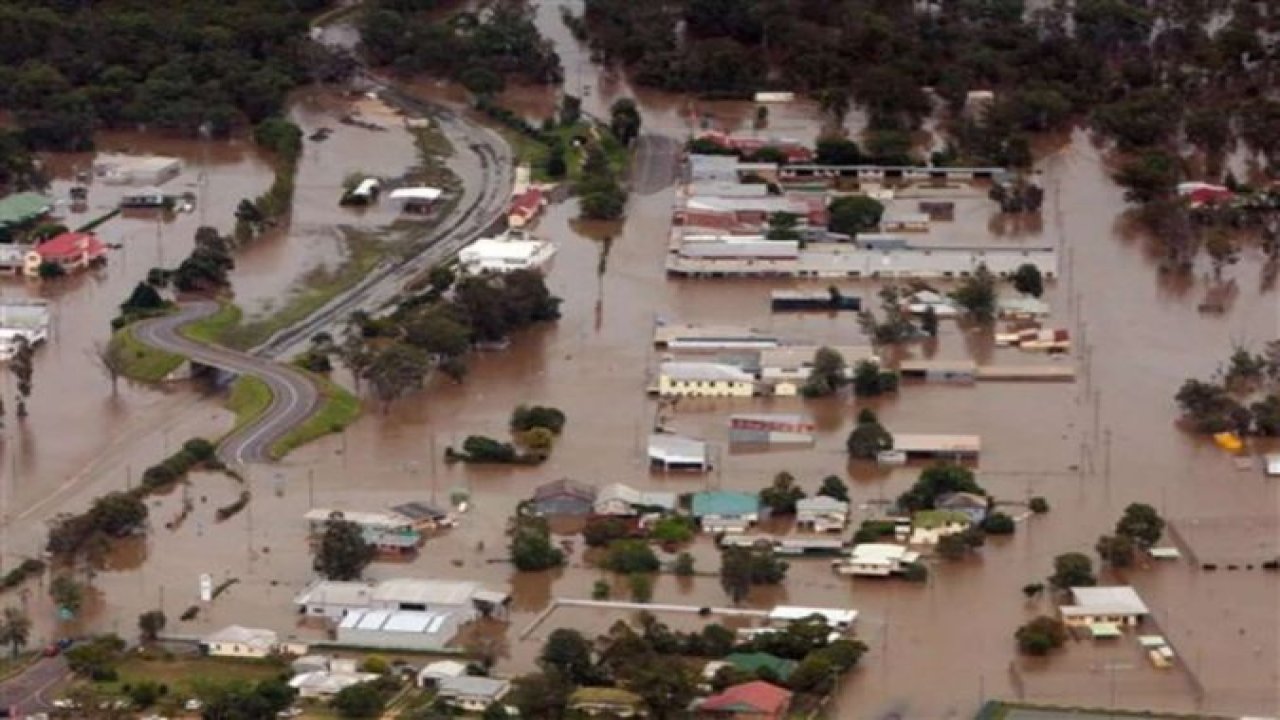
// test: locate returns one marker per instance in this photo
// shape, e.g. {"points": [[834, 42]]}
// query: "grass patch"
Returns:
{"points": [[209, 329], [364, 252], [339, 408], [143, 362], [186, 675], [249, 398]]}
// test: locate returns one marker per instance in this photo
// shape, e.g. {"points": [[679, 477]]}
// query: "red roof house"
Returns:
{"points": [[71, 250], [524, 207], [757, 700]]}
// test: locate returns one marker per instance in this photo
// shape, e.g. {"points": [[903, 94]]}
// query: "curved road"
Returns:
{"points": [[293, 396]]}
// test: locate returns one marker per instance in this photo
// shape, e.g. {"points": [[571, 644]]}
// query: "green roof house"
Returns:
{"points": [[21, 209], [753, 663]]}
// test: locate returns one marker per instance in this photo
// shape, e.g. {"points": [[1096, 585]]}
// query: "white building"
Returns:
{"points": [[241, 642], [402, 629], [840, 619], [335, 599], [472, 694], [1115, 605], [327, 683], [501, 255], [669, 452], [120, 169], [433, 673], [624, 500], [822, 514], [876, 560], [704, 379]]}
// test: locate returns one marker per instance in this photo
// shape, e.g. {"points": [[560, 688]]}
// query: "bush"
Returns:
{"points": [[641, 588], [631, 556], [916, 572], [998, 523], [673, 529], [199, 449], [1041, 636], [1039, 505], [375, 664], [600, 532], [526, 417], [684, 565], [601, 590]]}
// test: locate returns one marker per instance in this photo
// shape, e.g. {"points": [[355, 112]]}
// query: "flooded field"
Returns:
{"points": [[1089, 447]]}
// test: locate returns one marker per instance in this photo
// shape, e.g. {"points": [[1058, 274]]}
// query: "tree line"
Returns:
{"points": [[68, 69]]}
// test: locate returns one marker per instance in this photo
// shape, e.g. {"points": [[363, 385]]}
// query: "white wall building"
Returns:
{"points": [[876, 560], [472, 694], [242, 642], [822, 514], [499, 255], [1118, 605], [704, 379]]}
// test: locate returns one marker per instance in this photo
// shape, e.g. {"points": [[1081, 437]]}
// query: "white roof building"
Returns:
{"points": [[840, 618], [240, 641], [620, 499], [677, 452], [401, 629], [326, 683], [1119, 604], [434, 672], [704, 372], [876, 559], [496, 255]]}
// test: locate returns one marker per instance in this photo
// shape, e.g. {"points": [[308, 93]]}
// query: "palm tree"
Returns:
{"points": [[15, 629]]}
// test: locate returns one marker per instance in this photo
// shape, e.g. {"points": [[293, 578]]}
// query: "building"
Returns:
{"points": [[876, 560], [335, 599], [623, 500], [880, 173], [433, 673], [607, 701], [704, 379], [929, 526], [754, 663], [401, 629], [944, 447], [786, 369], [957, 372], [148, 198], [424, 516], [836, 618], [390, 533], [822, 514], [470, 693], [757, 700], [326, 683], [905, 222], [525, 208], [710, 338], [240, 642], [725, 510], [564, 497], [1273, 464], [503, 255], [20, 210], [793, 150], [755, 210], [669, 452], [971, 505], [120, 169], [713, 168], [770, 429], [1117, 605], [817, 301], [22, 318], [71, 251]]}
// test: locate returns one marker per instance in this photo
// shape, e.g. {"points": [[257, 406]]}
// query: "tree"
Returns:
{"points": [[929, 321], [631, 556], [1028, 281], [1148, 177], [827, 375], [569, 653], [343, 552], [835, 488], [541, 694], [783, 226], [624, 120], [557, 166], [1141, 524], [151, 623], [854, 214], [600, 532], [601, 590], [118, 514], [834, 102], [1031, 590], [354, 352], [1115, 550], [781, 497], [977, 295], [22, 365], [998, 523], [954, 546], [570, 109], [362, 700], [1072, 569], [641, 587], [15, 630], [683, 565], [1038, 505], [935, 481], [66, 593], [1041, 636], [243, 700], [531, 547], [96, 657], [526, 417], [673, 529], [740, 568], [144, 297], [868, 438], [396, 370]]}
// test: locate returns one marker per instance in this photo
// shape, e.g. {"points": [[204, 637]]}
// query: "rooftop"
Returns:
{"points": [[23, 207], [835, 617], [757, 696], [498, 249], [443, 669], [363, 518], [632, 496], [1113, 600], [471, 685], [724, 503], [821, 503], [243, 635], [419, 591], [757, 661], [397, 621], [563, 487], [801, 356], [416, 193], [334, 592], [704, 372], [882, 552], [672, 448], [916, 442]]}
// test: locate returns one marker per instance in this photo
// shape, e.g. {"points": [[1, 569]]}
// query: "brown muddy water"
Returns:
{"points": [[937, 649]]}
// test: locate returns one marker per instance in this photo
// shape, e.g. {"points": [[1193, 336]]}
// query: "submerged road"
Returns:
{"points": [[293, 396]]}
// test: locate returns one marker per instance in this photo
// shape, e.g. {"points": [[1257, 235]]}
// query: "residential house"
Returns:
{"points": [[770, 429], [470, 693], [972, 505], [120, 169], [757, 700], [624, 500], [669, 452], [704, 379], [725, 510], [503, 255], [822, 514], [929, 526], [774, 667], [390, 533], [564, 497], [607, 701], [433, 673], [240, 642], [70, 251], [876, 560], [836, 618], [20, 210], [309, 663], [1118, 605], [326, 682], [940, 447], [424, 516]]}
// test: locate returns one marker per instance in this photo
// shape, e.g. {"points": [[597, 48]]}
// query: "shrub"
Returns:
{"points": [[998, 523], [1039, 505], [631, 556], [1041, 636]]}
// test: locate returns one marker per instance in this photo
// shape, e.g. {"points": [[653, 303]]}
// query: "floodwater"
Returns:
{"points": [[1089, 447]]}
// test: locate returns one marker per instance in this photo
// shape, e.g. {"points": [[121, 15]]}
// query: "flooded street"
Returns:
{"points": [[1090, 447]]}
